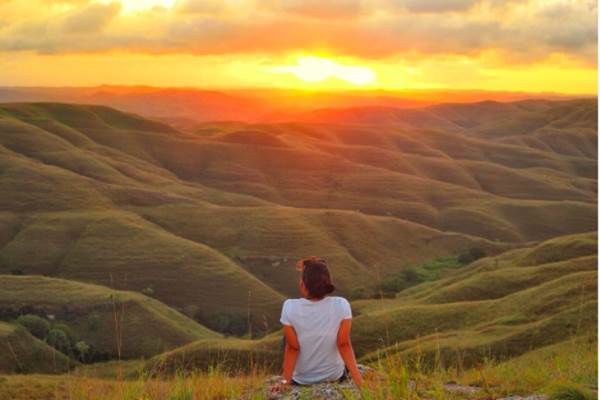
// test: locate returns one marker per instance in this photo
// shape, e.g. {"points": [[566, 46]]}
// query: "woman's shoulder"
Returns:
{"points": [[289, 302], [342, 307], [335, 299], [339, 299]]}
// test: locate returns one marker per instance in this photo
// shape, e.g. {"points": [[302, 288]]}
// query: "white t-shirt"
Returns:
{"points": [[316, 324]]}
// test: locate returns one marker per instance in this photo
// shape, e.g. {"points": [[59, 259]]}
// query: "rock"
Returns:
{"points": [[324, 391], [462, 389], [321, 391]]}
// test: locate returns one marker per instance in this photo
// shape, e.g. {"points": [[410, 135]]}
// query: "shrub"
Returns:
{"points": [[429, 270], [229, 323], [82, 349], [66, 330], [359, 293], [16, 271], [58, 339], [406, 278], [473, 254], [37, 326], [191, 311], [93, 321], [568, 392], [148, 291]]}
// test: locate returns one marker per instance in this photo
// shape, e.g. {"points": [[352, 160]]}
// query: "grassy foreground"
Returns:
{"points": [[567, 368]]}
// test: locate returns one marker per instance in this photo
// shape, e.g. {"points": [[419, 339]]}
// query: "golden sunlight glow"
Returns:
{"points": [[318, 69]]}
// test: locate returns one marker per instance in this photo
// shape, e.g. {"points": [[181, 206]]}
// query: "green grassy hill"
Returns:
{"points": [[496, 308], [23, 353], [212, 220], [110, 321]]}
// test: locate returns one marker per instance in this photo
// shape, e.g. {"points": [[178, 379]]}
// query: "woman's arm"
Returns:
{"points": [[290, 355], [345, 348]]}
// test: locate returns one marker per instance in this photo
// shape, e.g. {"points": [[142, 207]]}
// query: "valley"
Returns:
{"points": [[174, 247]]}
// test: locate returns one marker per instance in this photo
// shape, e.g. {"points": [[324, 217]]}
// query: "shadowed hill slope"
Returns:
{"points": [[110, 321], [23, 353]]}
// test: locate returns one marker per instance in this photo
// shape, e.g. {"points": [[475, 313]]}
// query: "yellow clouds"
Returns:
{"points": [[524, 30], [91, 18]]}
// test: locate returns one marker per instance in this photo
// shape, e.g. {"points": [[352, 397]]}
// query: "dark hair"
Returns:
{"points": [[316, 277]]}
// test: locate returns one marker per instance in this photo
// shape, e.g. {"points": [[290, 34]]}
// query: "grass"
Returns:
{"points": [[563, 371], [565, 392], [570, 364]]}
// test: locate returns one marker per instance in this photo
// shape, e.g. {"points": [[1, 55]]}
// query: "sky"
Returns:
{"points": [[509, 45]]}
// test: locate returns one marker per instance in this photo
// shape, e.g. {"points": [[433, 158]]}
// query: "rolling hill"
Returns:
{"points": [[115, 323], [178, 235], [501, 306], [23, 353], [496, 308]]}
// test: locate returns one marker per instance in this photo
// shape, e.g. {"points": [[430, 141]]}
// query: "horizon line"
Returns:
{"points": [[390, 91]]}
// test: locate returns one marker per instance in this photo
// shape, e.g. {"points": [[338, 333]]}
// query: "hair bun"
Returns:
{"points": [[316, 277]]}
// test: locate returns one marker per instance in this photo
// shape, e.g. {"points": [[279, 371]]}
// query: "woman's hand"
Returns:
{"points": [[358, 380], [280, 387]]}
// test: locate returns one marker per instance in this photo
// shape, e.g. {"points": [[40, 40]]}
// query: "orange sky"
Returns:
{"points": [[517, 45]]}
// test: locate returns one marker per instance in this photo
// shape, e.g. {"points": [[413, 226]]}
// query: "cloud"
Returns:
{"points": [[433, 6], [91, 18], [518, 30], [320, 8]]}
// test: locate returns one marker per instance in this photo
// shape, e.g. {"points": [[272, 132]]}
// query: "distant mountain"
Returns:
{"points": [[186, 107]]}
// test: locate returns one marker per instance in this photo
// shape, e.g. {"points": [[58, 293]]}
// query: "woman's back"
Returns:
{"points": [[316, 323]]}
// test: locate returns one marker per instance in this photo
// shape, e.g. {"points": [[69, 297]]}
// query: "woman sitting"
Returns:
{"points": [[317, 331]]}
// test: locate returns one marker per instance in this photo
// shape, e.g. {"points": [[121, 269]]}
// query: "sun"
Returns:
{"points": [[318, 69]]}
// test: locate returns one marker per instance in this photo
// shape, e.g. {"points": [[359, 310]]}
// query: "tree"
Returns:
{"points": [[58, 339], [37, 326], [477, 253], [66, 330], [410, 276], [82, 349], [93, 321], [229, 323]]}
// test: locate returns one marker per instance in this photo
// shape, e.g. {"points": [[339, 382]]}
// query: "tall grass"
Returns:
{"points": [[210, 385], [567, 369]]}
